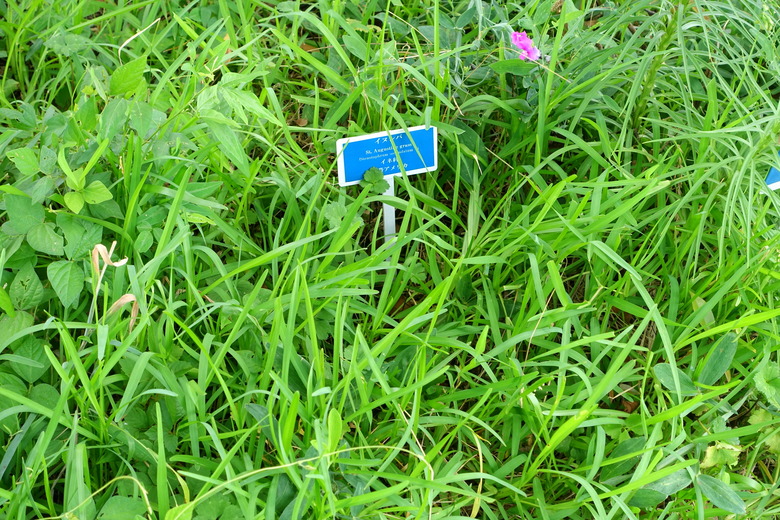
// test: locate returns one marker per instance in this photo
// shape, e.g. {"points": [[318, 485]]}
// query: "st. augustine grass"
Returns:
{"points": [[577, 319]]}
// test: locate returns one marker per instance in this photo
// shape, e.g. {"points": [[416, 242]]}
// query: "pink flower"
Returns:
{"points": [[526, 46]]}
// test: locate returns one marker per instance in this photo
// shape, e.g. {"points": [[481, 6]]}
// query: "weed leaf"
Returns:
{"points": [[230, 145], [26, 290], [23, 214], [720, 494], [719, 359], [74, 200], [5, 303], [33, 363], [24, 159], [45, 239], [113, 118], [127, 78], [646, 498], [767, 381], [672, 483], [96, 193], [624, 448], [121, 508], [663, 372], [67, 280], [517, 67]]}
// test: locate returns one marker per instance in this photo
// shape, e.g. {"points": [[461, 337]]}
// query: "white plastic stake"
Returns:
{"points": [[388, 211]]}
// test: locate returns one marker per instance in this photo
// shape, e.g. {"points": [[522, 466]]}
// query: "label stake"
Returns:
{"points": [[388, 211], [396, 152]]}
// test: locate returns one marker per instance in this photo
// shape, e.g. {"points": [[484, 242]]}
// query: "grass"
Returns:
{"points": [[576, 320]]}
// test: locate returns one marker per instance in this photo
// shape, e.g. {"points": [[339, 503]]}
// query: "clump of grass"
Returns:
{"points": [[576, 319]]}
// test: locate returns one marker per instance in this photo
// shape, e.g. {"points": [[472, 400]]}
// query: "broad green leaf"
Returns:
{"points": [[5, 303], [42, 189], [265, 421], [26, 290], [45, 239], [285, 492], [624, 448], [9, 87], [709, 317], [356, 46], [720, 494], [25, 159], [466, 18], [23, 254], [7, 188], [517, 67], [127, 78], [24, 118], [11, 243], [35, 363], [143, 242], [672, 483], [464, 287], [12, 325], [228, 142], [86, 115], [113, 118], [106, 210], [242, 101], [75, 180], [80, 236], [140, 117], [767, 381], [335, 429], [195, 218], [212, 508], [646, 498], [96, 193], [67, 280], [571, 12], [23, 214], [45, 394], [180, 512], [67, 43], [12, 383], [718, 361], [144, 119], [663, 372], [122, 508], [48, 160], [74, 200]]}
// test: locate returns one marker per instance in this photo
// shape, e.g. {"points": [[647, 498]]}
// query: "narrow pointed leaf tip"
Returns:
{"points": [[528, 51]]}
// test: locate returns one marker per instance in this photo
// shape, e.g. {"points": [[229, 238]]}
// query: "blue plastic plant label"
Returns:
{"points": [[412, 151], [773, 178]]}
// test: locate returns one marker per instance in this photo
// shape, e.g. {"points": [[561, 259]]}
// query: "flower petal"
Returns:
{"points": [[527, 49]]}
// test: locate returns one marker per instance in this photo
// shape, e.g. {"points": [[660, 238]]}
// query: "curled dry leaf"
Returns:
{"points": [[123, 300], [100, 251]]}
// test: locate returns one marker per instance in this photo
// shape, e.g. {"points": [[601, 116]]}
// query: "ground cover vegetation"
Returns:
{"points": [[578, 318]]}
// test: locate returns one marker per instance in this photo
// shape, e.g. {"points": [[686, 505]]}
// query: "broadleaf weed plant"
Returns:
{"points": [[576, 319]]}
